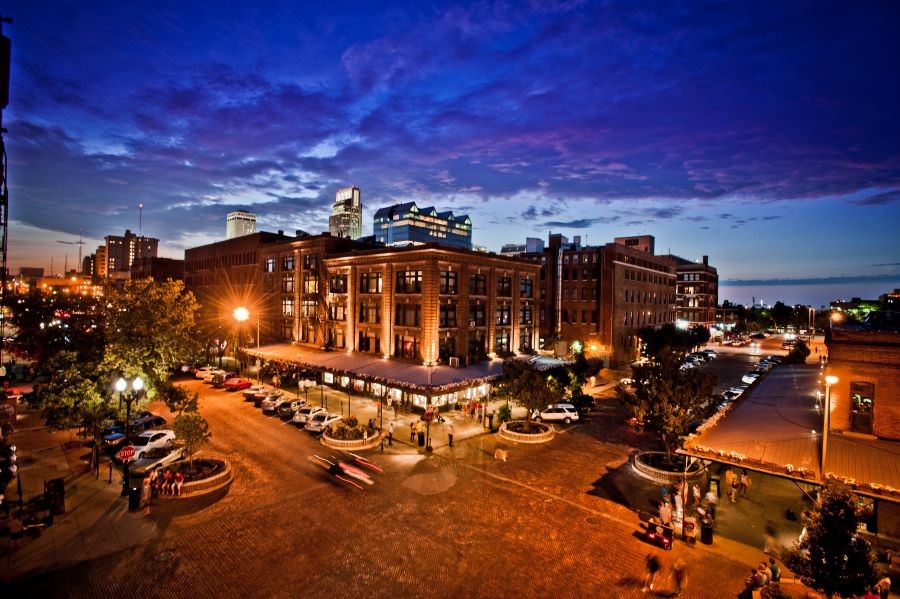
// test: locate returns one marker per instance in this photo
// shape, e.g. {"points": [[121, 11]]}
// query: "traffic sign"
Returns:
{"points": [[126, 453]]}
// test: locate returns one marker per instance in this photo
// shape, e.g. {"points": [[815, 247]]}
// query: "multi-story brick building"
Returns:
{"points": [[696, 292], [601, 296], [423, 303]]}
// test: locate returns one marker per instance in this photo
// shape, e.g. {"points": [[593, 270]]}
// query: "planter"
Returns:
{"points": [[207, 485], [540, 437], [641, 464], [350, 444]]}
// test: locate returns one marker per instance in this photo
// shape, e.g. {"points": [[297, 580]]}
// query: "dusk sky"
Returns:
{"points": [[765, 135]]}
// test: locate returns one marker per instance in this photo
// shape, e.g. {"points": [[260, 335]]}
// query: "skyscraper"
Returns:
{"points": [[239, 223], [121, 252], [346, 214]]}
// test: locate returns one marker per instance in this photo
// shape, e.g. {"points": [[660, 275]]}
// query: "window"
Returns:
{"points": [[370, 282], [287, 282], [310, 261], [406, 346], [409, 281], [407, 315], [501, 341], [310, 283], [862, 402], [337, 312], [504, 287], [526, 288], [370, 313], [336, 336], [525, 314], [447, 316], [503, 315], [446, 348], [478, 285], [269, 265], [309, 309], [477, 316], [287, 306], [287, 263], [448, 282], [337, 283]]}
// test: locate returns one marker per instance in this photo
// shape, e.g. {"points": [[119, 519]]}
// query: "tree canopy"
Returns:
{"points": [[669, 338], [665, 400], [833, 557], [532, 388]]}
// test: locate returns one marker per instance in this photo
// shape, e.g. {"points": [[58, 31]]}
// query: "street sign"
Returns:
{"points": [[126, 453]]}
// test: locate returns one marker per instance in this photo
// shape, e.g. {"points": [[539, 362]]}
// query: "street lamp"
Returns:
{"points": [[830, 380], [242, 314], [137, 385]]}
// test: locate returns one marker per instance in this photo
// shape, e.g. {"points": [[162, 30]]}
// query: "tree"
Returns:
{"points": [[833, 557], [531, 387], [72, 397], [798, 354], [666, 399], [669, 338], [193, 430], [150, 327]]}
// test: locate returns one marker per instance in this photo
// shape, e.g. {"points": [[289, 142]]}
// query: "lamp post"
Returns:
{"points": [[830, 380], [128, 396], [242, 314]]}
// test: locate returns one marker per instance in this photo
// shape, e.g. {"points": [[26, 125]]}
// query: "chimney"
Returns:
{"points": [[705, 260]]}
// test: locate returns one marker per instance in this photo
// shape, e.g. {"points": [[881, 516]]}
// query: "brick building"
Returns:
{"points": [[158, 269], [696, 291], [866, 398], [601, 296], [423, 303]]}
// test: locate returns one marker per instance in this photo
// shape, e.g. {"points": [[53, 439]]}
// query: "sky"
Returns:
{"points": [[764, 135]]}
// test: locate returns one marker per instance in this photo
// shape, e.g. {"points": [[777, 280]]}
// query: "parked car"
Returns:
{"points": [[321, 421], [562, 412], [203, 371], [150, 440], [287, 408], [210, 375], [237, 383], [220, 378], [733, 393], [584, 403], [699, 355], [710, 353], [261, 396], [252, 390], [156, 458], [764, 365], [271, 403], [751, 377], [302, 416]]}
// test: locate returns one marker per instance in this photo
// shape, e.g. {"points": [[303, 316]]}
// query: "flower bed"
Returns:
{"points": [[202, 475], [652, 465], [537, 432], [350, 444]]}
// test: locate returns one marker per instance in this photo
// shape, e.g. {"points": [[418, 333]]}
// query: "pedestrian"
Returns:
{"points": [[652, 562], [391, 433], [679, 573], [167, 482], [179, 481], [711, 501], [744, 484], [450, 433], [394, 405], [420, 432], [696, 491], [775, 569], [883, 587], [766, 571], [412, 430], [146, 494], [665, 513]]}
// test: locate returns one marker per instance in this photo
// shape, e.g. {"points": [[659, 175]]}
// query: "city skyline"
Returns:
{"points": [[763, 139]]}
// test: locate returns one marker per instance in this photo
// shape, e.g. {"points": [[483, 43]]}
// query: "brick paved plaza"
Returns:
{"points": [[450, 524]]}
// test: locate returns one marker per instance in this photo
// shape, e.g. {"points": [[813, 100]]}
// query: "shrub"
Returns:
{"points": [[348, 430], [504, 413]]}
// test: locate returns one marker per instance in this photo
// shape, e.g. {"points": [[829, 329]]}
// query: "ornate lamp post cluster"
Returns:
{"points": [[128, 396]]}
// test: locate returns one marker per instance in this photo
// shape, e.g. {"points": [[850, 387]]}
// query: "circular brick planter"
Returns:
{"points": [[207, 485], [541, 437], [350, 445], [697, 472]]}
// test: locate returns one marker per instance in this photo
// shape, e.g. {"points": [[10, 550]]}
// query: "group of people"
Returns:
{"points": [[676, 502], [763, 574], [165, 483], [737, 485], [677, 574]]}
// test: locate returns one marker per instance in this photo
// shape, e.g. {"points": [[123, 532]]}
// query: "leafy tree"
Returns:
{"points": [[72, 397], [531, 387], [833, 557], [193, 430], [798, 354], [150, 326], [668, 338], [665, 399]]}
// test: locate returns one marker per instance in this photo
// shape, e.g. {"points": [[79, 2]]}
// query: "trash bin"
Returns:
{"points": [[491, 421], [55, 496], [134, 498], [706, 531]]}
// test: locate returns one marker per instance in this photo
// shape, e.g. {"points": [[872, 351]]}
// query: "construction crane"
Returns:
{"points": [[79, 243]]}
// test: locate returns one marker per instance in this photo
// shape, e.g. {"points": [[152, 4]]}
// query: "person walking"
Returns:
{"points": [[420, 432], [450, 432], [679, 574], [391, 432], [744, 484], [412, 431], [652, 562], [665, 513]]}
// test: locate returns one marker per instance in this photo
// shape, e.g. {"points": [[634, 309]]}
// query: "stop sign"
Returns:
{"points": [[126, 452]]}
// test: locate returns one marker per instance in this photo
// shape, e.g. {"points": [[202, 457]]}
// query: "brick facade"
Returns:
{"points": [[867, 364]]}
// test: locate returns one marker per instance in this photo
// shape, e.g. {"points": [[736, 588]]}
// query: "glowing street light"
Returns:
{"points": [[242, 314]]}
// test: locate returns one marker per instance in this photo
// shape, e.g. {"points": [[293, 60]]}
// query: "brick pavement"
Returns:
{"points": [[454, 523]]}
